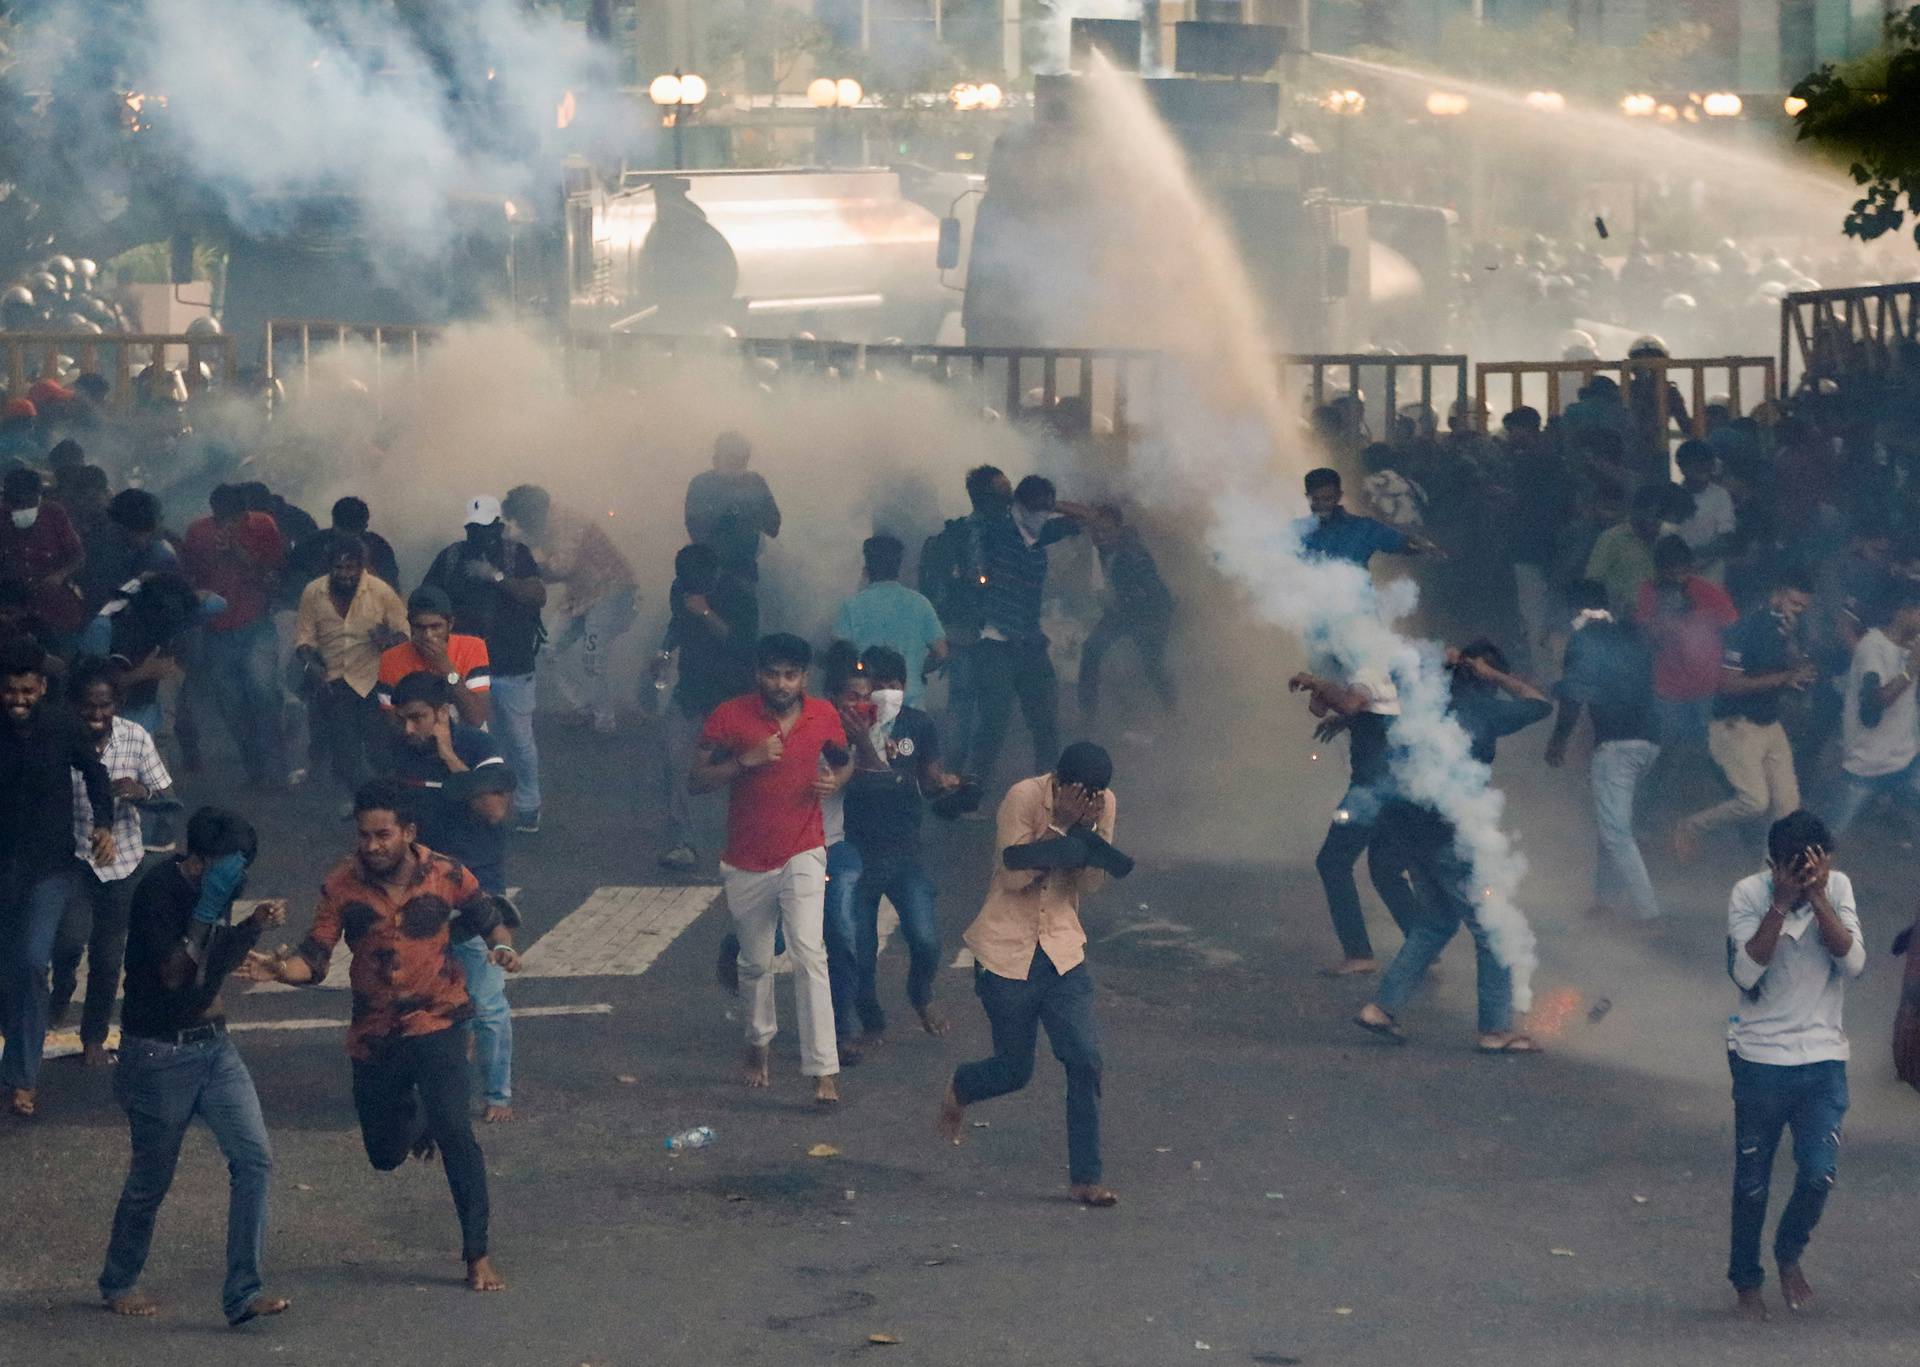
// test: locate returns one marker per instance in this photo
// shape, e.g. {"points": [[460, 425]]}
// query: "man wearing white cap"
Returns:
{"points": [[497, 594]]}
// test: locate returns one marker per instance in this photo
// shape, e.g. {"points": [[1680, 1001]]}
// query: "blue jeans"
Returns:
{"points": [[513, 699], [162, 1087], [29, 923], [1620, 870], [1350, 834], [1439, 876], [1016, 1009], [1852, 794], [241, 671], [843, 879], [492, 1019], [900, 879], [1767, 1098]]}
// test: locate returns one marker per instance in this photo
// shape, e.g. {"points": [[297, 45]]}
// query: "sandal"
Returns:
{"points": [[1513, 1044], [1388, 1030]]}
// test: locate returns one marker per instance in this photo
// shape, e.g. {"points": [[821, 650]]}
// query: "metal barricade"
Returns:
{"points": [[1550, 386], [1082, 390], [1835, 332], [1387, 383], [115, 356], [388, 344]]}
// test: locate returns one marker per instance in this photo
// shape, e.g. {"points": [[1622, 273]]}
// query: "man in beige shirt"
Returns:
{"points": [[346, 618], [1030, 951]]}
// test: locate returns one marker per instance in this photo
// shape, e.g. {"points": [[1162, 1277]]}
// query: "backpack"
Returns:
{"points": [[951, 568]]}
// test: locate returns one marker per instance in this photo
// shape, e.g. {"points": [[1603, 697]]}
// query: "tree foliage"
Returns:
{"points": [[1868, 111], [1546, 54]]}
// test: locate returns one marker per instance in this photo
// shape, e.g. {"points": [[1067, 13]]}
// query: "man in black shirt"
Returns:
{"points": [[352, 519], [177, 1063], [884, 807], [41, 745], [1364, 708], [730, 507], [1609, 672], [1138, 606], [497, 595], [713, 626]]}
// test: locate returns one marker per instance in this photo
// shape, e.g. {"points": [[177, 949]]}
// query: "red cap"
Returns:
{"points": [[43, 390], [19, 408]]}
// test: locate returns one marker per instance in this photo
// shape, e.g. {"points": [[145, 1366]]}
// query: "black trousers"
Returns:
{"points": [[94, 924], [415, 1088], [1004, 672], [340, 728], [1149, 636]]}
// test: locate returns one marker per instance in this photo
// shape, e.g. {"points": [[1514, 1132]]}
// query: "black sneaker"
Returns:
{"points": [[527, 825]]}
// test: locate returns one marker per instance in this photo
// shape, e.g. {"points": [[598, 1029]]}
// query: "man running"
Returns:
{"points": [[402, 908]]}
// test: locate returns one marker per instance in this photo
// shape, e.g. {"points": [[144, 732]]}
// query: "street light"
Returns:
{"points": [[678, 95], [1546, 101], [1638, 106], [827, 93], [1345, 101], [1446, 104], [1722, 104], [1793, 104], [967, 96]]}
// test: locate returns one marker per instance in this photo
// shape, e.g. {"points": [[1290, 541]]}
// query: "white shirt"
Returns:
{"points": [[129, 753], [1712, 517], [1796, 1016], [1873, 751]]}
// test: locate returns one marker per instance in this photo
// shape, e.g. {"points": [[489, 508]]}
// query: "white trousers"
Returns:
{"points": [[793, 895]]}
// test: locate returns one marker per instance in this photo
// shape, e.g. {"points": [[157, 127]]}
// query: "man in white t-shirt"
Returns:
{"points": [[1709, 532], [1880, 727]]}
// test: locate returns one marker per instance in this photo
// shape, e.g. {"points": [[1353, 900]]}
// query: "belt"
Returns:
{"points": [[193, 1034]]}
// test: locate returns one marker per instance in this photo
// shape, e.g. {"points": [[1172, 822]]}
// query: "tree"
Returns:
{"points": [[1868, 111]]}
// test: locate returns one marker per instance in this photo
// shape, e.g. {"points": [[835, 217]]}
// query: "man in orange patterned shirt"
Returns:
{"points": [[395, 901]]}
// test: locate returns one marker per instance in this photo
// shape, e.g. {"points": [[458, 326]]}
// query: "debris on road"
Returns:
{"points": [[696, 1138], [1599, 1011], [1639, 1200], [1562, 1252], [1203, 1346], [882, 1338], [1343, 1310], [625, 1079], [823, 1151]]}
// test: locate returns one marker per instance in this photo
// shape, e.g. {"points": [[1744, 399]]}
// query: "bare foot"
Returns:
{"points": [[134, 1305], [1507, 1042], [826, 1091], [95, 1056], [1794, 1288], [497, 1115], [424, 1149], [22, 1103], [753, 1068], [1093, 1194], [933, 1021], [953, 1117], [1752, 1306], [1351, 968], [482, 1277], [260, 1306]]}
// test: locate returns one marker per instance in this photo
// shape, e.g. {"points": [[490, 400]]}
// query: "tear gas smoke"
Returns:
{"points": [[1050, 38], [1223, 440]]}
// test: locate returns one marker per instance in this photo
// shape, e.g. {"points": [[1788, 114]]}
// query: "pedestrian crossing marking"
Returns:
{"points": [[616, 932]]}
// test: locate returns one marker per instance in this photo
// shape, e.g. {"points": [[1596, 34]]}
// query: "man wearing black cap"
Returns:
{"points": [[1030, 952], [497, 594], [433, 647], [459, 793]]}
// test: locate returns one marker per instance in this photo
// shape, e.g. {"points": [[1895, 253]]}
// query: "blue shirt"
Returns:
{"points": [[892, 615], [1349, 537], [447, 824]]}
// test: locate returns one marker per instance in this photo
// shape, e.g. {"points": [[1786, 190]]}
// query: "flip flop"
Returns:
{"points": [[1519, 1044], [1389, 1031]]}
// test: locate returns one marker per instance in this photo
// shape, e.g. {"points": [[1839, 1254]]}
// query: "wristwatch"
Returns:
{"points": [[453, 677]]}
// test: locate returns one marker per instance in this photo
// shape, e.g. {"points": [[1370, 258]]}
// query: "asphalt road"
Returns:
{"points": [[1293, 1191]]}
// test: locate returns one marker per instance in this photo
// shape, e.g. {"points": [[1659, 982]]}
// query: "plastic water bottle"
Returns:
{"points": [[696, 1138]]}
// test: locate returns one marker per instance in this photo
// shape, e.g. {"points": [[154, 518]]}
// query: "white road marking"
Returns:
{"points": [[618, 931], [519, 1013]]}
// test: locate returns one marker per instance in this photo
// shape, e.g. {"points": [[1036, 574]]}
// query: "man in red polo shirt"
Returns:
{"points": [[778, 752], [238, 555]]}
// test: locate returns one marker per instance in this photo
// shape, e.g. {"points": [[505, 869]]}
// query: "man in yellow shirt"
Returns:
{"points": [[346, 618]]}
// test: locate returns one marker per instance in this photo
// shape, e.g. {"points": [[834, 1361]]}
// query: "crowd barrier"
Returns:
{"points": [[293, 342], [1549, 386], [1388, 384], [1832, 333], [117, 356]]}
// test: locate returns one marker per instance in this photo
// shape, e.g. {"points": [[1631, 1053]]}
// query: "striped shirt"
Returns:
{"points": [[130, 753], [1015, 571]]}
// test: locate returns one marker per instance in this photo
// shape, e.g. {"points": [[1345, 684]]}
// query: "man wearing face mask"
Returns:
{"points": [[39, 545], [497, 594], [1011, 660]]}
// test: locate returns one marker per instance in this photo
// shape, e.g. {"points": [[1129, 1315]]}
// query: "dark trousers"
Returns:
{"points": [[416, 1088], [1149, 636], [1767, 1098], [163, 1088], [94, 924], [31, 904], [837, 932], [1016, 1009], [1352, 834], [1002, 672], [900, 879], [340, 727]]}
